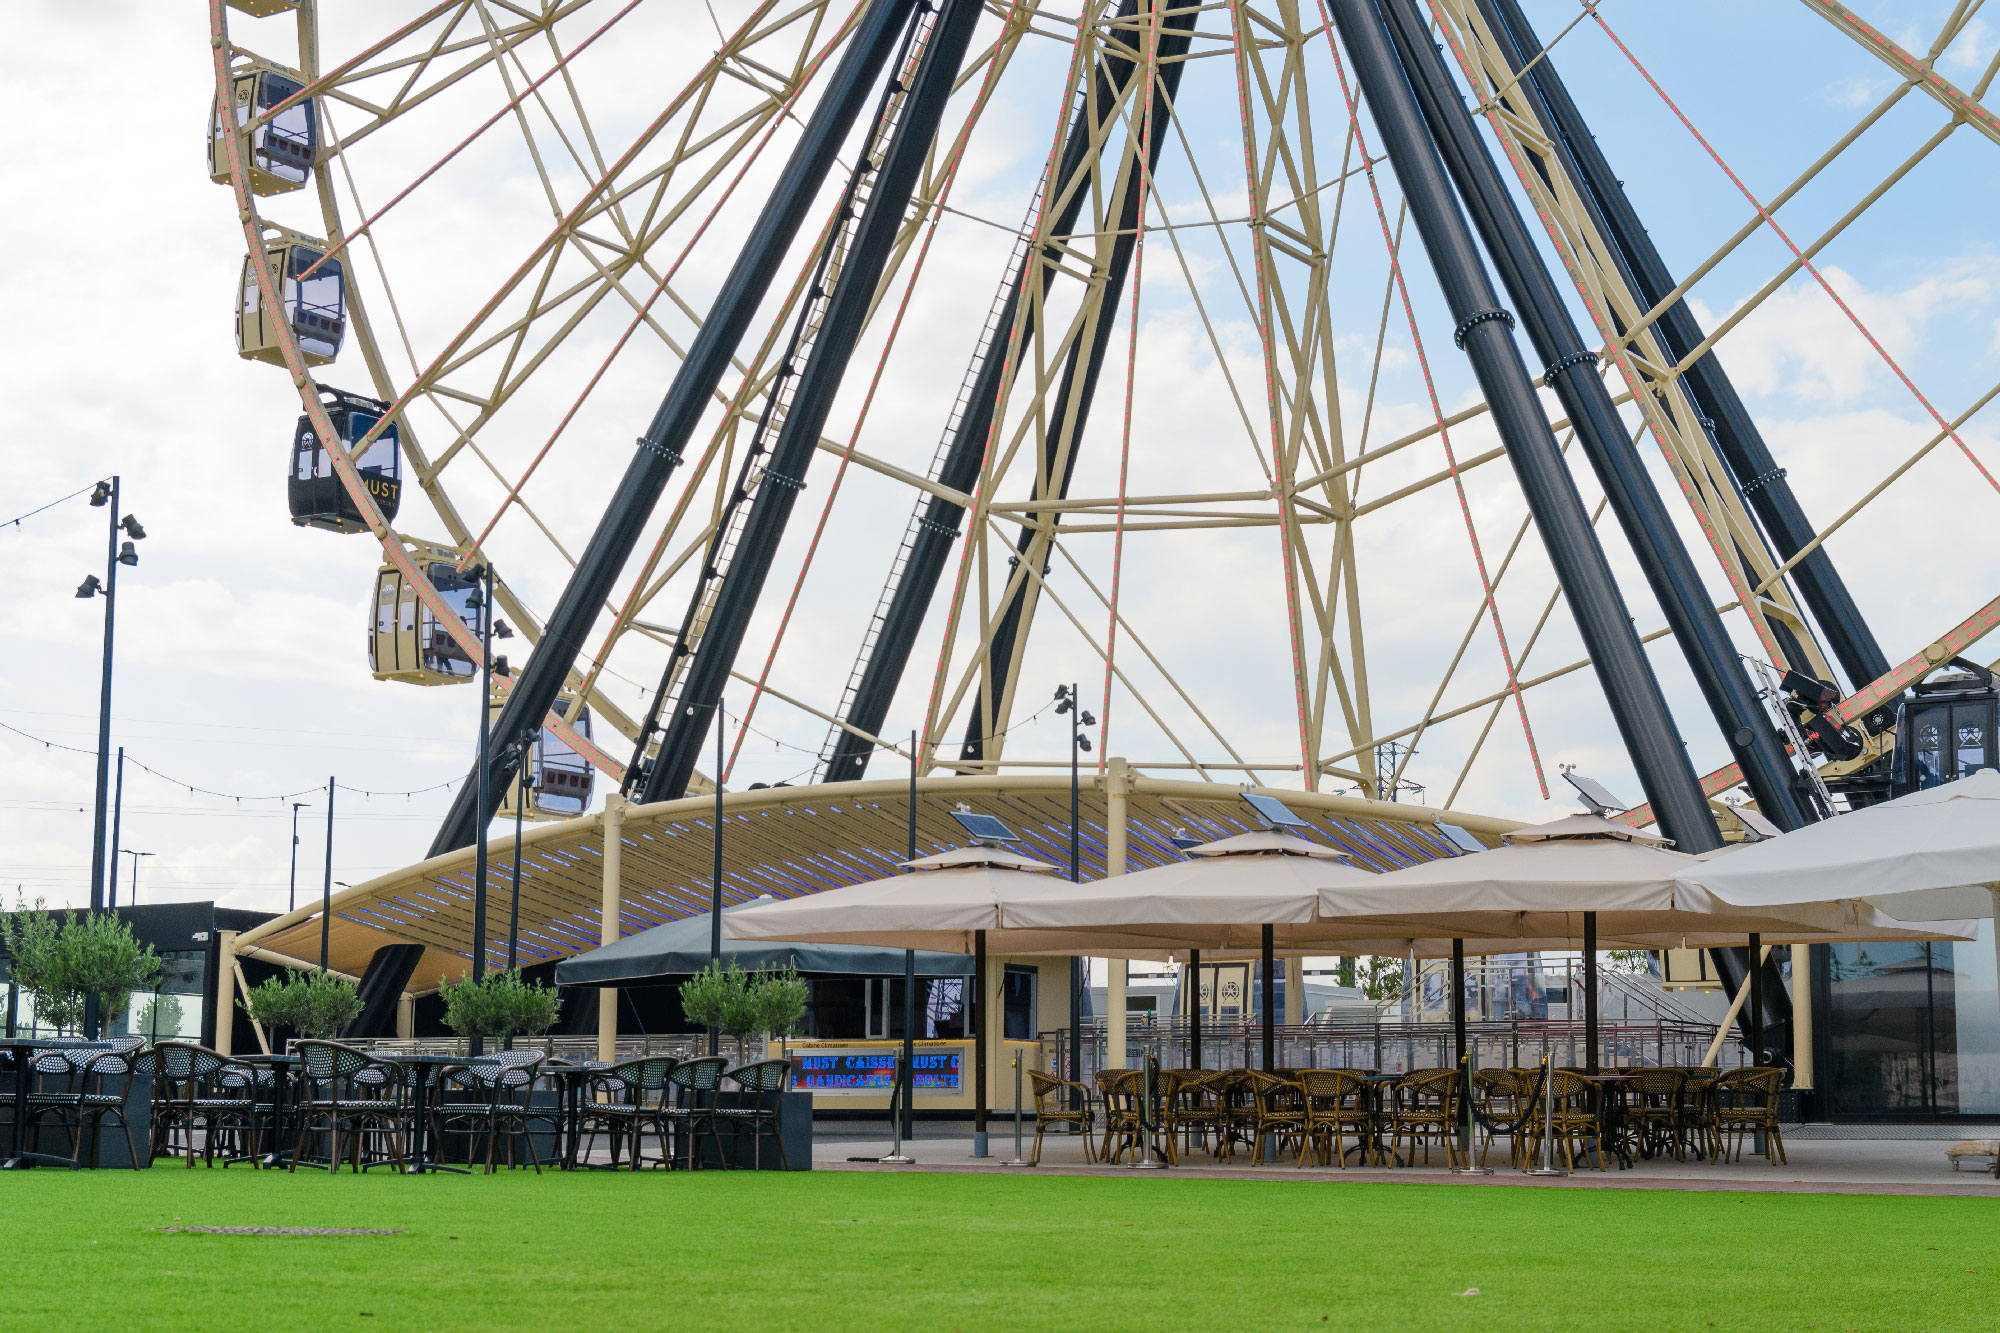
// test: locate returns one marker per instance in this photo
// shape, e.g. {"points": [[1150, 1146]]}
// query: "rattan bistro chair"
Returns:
{"points": [[1746, 1103], [1054, 1113], [1120, 1090], [1698, 1131], [625, 1102], [1426, 1109], [345, 1091], [1279, 1113], [1194, 1108], [1336, 1104], [694, 1080], [765, 1083], [1576, 1123], [1502, 1098], [1654, 1114]]}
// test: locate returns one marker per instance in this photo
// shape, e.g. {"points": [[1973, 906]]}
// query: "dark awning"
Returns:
{"points": [[680, 948]]}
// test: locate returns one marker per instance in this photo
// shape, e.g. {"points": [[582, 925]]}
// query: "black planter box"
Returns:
{"points": [[110, 1139], [795, 1126]]}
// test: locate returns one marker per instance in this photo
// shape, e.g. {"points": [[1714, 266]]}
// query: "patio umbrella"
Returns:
{"points": [[680, 948], [1933, 853], [952, 902], [1583, 878], [1232, 893]]}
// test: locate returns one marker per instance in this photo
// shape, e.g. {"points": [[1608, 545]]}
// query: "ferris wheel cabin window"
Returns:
{"points": [[406, 641], [559, 779], [312, 303], [318, 497], [281, 135]]}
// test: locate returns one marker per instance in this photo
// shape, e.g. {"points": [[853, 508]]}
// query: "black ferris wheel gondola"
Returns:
{"points": [[318, 498]]}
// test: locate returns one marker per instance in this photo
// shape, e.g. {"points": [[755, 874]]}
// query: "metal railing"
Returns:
{"points": [[1393, 1045]]}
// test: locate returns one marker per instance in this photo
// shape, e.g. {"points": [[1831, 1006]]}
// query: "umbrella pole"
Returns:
{"points": [[979, 1043], [908, 1119], [1194, 1008], [1590, 991], [1270, 995], [1458, 1000]]}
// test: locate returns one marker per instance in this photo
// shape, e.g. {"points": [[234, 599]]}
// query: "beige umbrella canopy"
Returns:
{"points": [[1540, 886], [943, 904], [1219, 898]]}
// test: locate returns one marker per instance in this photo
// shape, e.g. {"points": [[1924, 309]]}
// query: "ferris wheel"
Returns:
{"points": [[972, 347]]}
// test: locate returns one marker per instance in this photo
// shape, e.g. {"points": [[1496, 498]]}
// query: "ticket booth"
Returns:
{"points": [[1026, 997]]}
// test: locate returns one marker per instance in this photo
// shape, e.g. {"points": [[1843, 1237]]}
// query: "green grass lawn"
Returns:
{"points": [[837, 1250]]}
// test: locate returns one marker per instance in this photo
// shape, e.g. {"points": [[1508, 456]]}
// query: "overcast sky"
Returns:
{"points": [[241, 664]]}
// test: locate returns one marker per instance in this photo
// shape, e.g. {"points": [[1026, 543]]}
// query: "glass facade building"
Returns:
{"points": [[1909, 1031]]}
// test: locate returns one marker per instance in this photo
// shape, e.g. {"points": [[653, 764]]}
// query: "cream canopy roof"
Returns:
{"points": [[793, 841]]}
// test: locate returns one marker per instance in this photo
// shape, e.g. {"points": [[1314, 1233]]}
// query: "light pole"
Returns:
{"points": [[482, 602], [522, 745], [105, 496], [1069, 701], [117, 822], [133, 897], [292, 902]]}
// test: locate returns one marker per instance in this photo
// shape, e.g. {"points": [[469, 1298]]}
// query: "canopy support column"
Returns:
{"points": [[1295, 992], [1117, 786], [225, 990], [1802, 1017], [607, 922]]}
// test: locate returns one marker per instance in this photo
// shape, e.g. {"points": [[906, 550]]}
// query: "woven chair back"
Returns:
{"points": [[702, 1075], [764, 1076], [646, 1074]]}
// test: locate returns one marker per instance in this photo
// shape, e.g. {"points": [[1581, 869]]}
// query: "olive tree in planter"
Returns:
{"points": [[723, 998], [61, 965], [500, 1005], [781, 1000], [308, 1004]]}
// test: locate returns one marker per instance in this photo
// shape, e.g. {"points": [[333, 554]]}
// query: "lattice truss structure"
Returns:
{"points": [[1150, 390]]}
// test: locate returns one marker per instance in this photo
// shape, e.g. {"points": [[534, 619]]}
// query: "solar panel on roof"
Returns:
{"points": [[1755, 821], [984, 828], [1461, 839], [1594, 794], [1273, 811]]}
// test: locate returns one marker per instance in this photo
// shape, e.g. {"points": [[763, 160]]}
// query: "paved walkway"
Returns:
{"points": [[1815, 1165]]}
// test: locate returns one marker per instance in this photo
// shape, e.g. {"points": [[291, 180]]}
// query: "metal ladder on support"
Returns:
{"points": [[751, 473]]}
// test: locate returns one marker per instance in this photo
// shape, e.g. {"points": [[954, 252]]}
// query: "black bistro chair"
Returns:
{"points": [[695, 1083], [78, 1088], [345, 1091], [488, 1099], [626, 1101], [765, 1082], [189, 1098]]}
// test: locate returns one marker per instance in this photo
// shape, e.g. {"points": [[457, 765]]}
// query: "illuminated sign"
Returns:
{"points": [[872, 1069]]}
